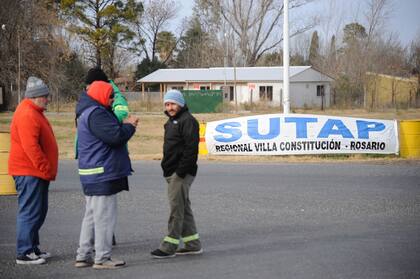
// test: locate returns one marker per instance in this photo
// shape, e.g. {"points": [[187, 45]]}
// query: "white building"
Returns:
{"points": [[308, 87]]}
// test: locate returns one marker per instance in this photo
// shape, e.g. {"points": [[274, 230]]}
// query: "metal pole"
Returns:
{"points": [[234, 88], [234, 77], [286, 99], [58, 101], [19, 61], [225, 58]]}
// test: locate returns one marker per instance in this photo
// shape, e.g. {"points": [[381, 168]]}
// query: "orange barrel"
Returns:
{"points": [[7, 184], [202, 147], [410, 138]]}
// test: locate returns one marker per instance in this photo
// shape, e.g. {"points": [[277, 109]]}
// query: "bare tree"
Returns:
{"points": [[157, 16], [414, 65], [376, 15], [30, 43], [255, 23]]}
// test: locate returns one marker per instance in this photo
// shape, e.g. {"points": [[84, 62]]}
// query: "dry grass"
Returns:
{"points": [[147, 142]]}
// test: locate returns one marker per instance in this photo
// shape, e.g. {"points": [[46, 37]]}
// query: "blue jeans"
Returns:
{"points": [[33, 207]]}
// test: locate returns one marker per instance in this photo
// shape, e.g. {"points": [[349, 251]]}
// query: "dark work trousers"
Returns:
{"points": [[181, 224], [33, 208]]}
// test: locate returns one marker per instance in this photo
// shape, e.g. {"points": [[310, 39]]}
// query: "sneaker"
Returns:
{"points": [[185, 251], [109, 264], [30, 259], [44, 255], [159, 254], [83, 263]]}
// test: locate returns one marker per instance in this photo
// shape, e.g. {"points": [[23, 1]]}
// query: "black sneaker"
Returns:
{"points": [[186, 251], [159, 254], [29, 259]]}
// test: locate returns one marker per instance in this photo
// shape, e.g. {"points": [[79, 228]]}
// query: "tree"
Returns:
{"points": [[158, 14], [29, 33], [354, 33], [332, 52], [103, 24], [376, 14], [254, 23], [73, 75], [314, 49], [146, 67], [414, 64], [353, 64], [165, 45], [198, 49], [271, 59], [297, 59]]}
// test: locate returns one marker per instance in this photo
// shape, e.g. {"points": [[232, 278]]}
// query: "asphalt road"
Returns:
{"points": [[343, 220]]}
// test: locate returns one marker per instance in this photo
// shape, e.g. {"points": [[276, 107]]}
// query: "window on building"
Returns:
{"points": [[266, 93], [178, 87], [206, 87], [320, 90]]}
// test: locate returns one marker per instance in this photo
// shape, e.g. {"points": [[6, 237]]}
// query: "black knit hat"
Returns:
{"points": [[95, 74]]}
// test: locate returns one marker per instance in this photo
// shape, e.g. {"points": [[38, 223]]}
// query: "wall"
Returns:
{"points": [[304, 95], [384, 91]]}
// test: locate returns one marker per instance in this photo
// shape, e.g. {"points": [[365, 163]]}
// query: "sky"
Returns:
{"points": [[404, 19]]}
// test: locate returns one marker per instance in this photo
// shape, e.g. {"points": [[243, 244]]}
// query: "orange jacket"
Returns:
{"points": [[33, 149]]}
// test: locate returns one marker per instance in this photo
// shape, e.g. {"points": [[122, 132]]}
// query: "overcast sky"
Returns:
{"points": [[404, 19]]}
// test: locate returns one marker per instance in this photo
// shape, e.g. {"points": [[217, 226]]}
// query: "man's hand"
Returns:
{"points": [[131, 119]]}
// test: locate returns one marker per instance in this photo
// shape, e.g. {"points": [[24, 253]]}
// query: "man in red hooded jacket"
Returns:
{"points": [[33, 164]]}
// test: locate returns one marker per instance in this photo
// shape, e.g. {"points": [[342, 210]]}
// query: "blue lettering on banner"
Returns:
{"points": [[227, 128], [329, 129], [364, 127], [301, 125], [254, 133], [231, 131]]}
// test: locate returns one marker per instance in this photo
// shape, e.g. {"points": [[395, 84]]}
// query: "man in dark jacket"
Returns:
{"points": [[179, 164], [104, 165]]}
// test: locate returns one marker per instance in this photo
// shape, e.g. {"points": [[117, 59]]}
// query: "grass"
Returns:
{"points": [[148, 140]]}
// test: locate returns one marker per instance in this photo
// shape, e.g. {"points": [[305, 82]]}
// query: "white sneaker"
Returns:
{"points": [[30, 259], [44, 255]]}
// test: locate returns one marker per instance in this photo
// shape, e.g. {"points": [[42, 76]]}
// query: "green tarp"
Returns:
{"points": [[201, 101]]}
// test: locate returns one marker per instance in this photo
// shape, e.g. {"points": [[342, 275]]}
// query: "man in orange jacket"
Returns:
{"points": [[33, 164]]}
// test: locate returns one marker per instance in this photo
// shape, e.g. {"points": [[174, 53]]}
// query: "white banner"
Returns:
{"points": [[281, 134]]}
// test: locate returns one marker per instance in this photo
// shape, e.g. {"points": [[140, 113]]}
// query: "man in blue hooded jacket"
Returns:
{"points": [[104, 165]]}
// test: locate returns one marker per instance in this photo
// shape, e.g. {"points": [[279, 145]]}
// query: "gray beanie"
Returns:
{"points": [[35, 87]]}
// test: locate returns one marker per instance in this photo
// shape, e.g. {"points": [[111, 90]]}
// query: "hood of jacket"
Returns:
{"points": [[101, 91], [85, 101]]}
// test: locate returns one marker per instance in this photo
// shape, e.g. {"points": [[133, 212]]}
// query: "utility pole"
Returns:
{"points": [[225, 60], [234, 76], [19, 62], [286, 97]]}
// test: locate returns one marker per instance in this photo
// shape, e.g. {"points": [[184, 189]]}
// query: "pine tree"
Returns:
{"points": [[101, 23], [314, 49]]}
